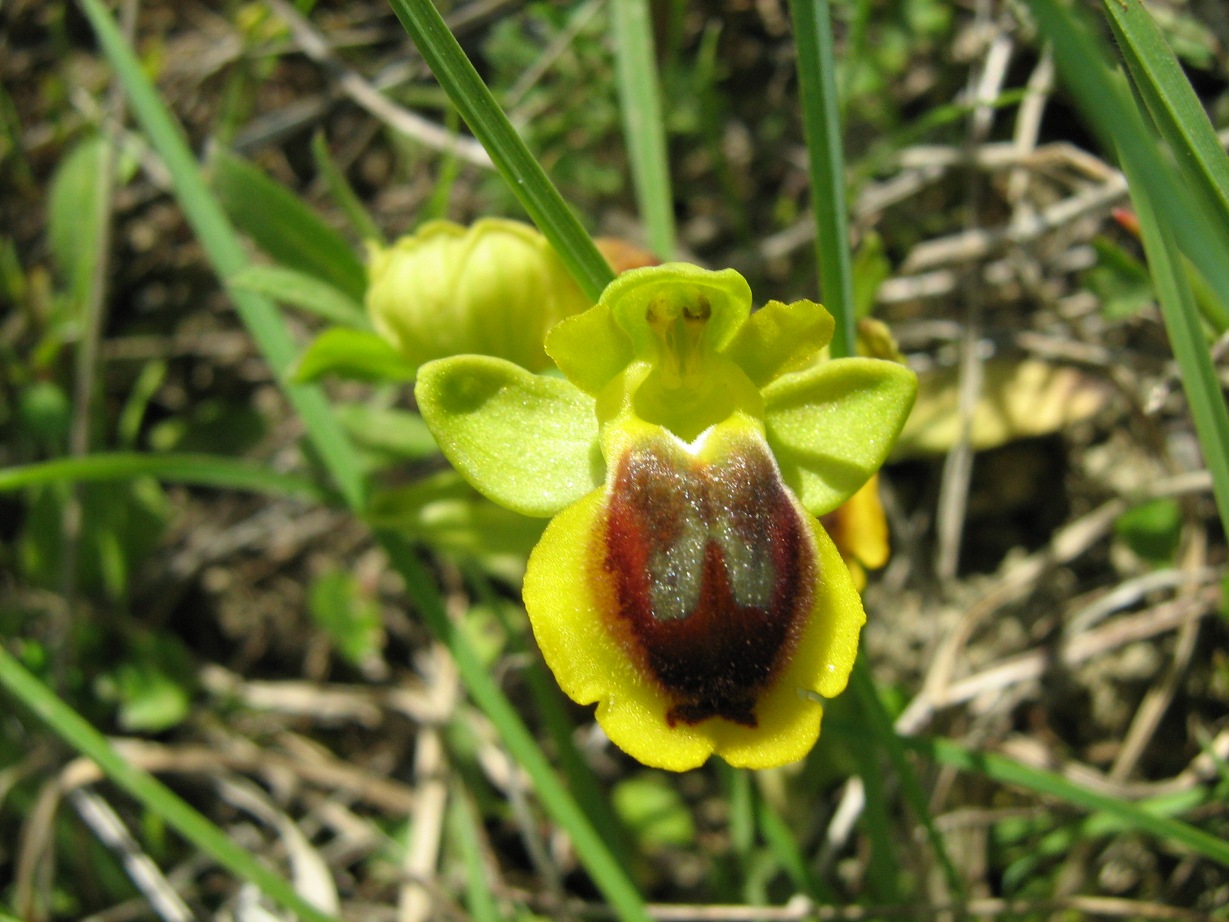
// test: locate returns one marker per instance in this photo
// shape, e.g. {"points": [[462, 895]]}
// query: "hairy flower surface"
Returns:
{"points": [[684, 584]]}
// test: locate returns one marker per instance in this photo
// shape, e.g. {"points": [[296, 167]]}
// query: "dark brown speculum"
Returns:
{"points": [[714, 573]]}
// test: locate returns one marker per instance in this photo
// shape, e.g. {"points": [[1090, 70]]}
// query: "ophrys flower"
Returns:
{"points": [[684, 584]]}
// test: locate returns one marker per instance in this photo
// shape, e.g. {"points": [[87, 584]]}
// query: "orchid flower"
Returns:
{"points": [[684, 583]]}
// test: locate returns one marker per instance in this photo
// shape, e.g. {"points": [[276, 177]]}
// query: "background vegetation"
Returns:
{"points": [[256, 577]]}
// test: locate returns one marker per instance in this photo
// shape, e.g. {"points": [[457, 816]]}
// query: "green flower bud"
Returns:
{"points": [[495, 288]]}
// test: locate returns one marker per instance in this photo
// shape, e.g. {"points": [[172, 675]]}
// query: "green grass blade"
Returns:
{"points": [[463, 824], [194, 469], [341, 459], [607, 873], [881, 725], [550, 702], [342, 192], [822, 128], [1137, 816], [1182, 122], [1177, 214], [226, 253], [640, 106], [148, 790], [780, 838], [304, 291], [1172, 102], [1106, 104], [1199, 379], [882, 866], [524, 176], [284, 227]]}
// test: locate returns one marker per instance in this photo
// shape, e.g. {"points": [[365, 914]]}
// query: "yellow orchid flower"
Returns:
{"points": [[684, 583]]}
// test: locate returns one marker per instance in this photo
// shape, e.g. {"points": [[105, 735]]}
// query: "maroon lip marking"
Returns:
{"points": [[713, 569]]}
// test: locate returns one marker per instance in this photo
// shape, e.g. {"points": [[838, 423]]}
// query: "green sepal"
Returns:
{"points": [[353, 354], [528, 442], [779, 338], [832, 425], [589, 348], [671, 289]]}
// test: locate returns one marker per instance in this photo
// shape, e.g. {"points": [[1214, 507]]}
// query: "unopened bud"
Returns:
{"points": [[493, 289]]}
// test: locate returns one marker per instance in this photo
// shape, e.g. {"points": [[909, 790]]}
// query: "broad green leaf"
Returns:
{"points": [[833, 425], [71, 205], [304, 291], [526, 441], [284, 227], [353, 354]]}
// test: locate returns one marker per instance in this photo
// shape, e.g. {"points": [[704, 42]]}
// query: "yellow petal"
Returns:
{"points": [[860, 529], [568, 597], [571, 594]]}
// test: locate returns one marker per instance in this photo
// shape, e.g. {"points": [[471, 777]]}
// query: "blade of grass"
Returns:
{"points": [[1181, 121], [198, 470], [1172, 102], [881, 725], [780, 839], [1105, 103], [159, 799], [640, 106], [822, 129], [882, 866], [342, 192], [1067, 835], [606, 872], [283, 226], [1138, 816], [227, 255], [341, 459], [306, 292], [463, 825], [582, 782], [524, 176], [1199, 379], [1177, 216]]}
